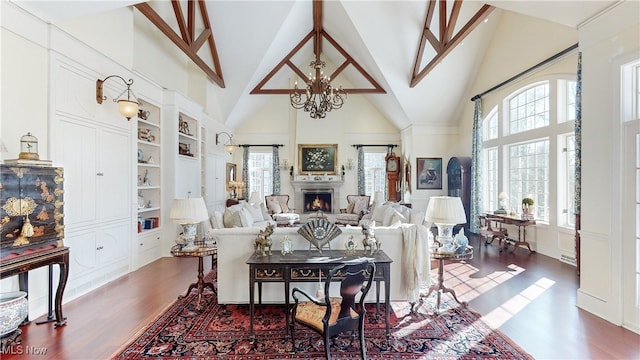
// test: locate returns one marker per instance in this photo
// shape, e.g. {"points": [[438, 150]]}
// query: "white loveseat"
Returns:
{"points": [[407, 245]]}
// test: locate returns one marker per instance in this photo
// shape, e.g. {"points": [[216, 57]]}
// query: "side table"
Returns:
{"points": [[202, 251], [440, 288]]}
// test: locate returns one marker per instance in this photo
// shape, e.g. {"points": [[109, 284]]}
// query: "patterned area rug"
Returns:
{"points": [[222, 332]]}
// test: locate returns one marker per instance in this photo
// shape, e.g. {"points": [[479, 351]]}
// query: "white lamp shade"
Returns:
{"points": [[128, 108], [254, 199], [446, 210], [378, 198], [188, 211]]}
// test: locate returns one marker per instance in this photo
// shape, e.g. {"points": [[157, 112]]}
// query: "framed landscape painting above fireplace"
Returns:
{"points": [[318, 159]]}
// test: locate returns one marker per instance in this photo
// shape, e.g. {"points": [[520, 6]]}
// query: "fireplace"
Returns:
{"points": [[317, 200], [327, 189]]}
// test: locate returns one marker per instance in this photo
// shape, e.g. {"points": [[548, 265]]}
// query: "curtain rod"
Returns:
{"points": [[367, 145], [250, 145], [544, 62]]}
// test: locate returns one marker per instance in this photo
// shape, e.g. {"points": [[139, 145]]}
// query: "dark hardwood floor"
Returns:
{"points": [[529, 297]]}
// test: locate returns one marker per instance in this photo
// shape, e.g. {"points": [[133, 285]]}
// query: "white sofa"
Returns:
{"points": [[236, 216], [407, 245]]}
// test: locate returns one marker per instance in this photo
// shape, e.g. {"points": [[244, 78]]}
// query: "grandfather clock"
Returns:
{"points": [[393, 176]]}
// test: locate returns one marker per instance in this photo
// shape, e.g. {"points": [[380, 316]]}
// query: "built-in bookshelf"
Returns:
{"points": [[188, 136], [149, 168]]}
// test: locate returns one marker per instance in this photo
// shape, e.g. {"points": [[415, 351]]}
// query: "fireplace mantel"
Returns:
{"points": [[333, 183]]}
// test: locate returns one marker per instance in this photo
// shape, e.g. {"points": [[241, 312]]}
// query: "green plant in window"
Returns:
{"points": [[527, 201]]}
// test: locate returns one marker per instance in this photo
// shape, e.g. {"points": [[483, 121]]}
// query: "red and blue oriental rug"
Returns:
{"points": [[222, 332]]}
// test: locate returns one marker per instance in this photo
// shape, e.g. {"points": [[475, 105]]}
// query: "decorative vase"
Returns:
{"points": [[461, 241], [14, 308]]}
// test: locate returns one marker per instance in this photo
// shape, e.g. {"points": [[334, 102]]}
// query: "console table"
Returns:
{"points": [[306, 266], [520, 223], [22, 264]]}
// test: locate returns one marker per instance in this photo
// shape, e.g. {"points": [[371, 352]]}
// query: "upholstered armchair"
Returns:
{"points": [[357, 206], [278, 207], [330, 316]]}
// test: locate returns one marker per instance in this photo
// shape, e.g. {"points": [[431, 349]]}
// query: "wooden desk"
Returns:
{"points": [[517, 221], [301, 267], [24, 263]]}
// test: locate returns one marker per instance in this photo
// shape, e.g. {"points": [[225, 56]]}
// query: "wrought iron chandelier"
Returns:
{"points": [[320, 97]]}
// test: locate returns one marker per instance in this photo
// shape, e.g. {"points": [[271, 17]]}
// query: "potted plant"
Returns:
{"points": [[527, 204]]}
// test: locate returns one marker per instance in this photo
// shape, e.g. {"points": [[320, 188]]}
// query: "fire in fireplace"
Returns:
{"points": [[317, 200]]}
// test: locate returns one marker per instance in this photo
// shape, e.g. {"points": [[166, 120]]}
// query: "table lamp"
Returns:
{"points": [[445, 212], [254, 199], [189, 213]]}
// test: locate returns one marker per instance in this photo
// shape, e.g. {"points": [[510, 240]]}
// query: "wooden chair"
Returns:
{"points": [[491, 228], [331, 316]]}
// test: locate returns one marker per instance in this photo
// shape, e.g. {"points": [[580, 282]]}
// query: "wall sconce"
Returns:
{"points": [[349, 164], [284, 164], [229, 144], [128, 107]]}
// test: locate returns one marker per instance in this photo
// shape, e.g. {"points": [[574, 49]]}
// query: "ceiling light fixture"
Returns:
{"points": [[320, 97], [128, 107], [229, 144]]}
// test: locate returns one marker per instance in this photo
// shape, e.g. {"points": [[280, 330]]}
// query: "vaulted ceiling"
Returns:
{"points": [[246, 41]]}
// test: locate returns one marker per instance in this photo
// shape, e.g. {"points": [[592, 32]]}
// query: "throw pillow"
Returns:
{"points": [[361, 206], [254, 210], [274, 206], [350, 208], [265, 213], [231, 219], [216, 220], [378, 214], [245, 218], [284, 207], [388, 215], [417, 217]]}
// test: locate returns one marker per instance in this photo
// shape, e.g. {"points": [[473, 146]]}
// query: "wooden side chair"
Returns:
{"points": [[331, 316], [491, 228]]}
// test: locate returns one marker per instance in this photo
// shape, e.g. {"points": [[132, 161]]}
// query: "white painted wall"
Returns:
{"points": [[606, 42]]}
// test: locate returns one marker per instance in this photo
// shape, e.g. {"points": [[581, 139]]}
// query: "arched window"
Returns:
{"points": [[528, 149]]}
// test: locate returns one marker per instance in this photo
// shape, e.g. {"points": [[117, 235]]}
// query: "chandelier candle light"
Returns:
{"points": [[320, 96]]}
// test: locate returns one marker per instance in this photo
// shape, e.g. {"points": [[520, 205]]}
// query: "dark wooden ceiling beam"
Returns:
{"points": [[317, 33], [185, 41], [447, 41], [177, 10]]}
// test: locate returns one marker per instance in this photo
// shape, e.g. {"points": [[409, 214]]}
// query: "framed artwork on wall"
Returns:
{"points": [[230, 174], [428, 173], [318, 159]]}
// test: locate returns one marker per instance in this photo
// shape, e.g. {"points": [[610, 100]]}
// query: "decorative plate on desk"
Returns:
{"points": [[319, 232]]}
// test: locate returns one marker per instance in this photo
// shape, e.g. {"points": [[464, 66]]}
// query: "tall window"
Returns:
{"points": [[491, 182], [260, 173], [568, 211], [490, 125], [529, 175], [374, 175], [523, 137]]}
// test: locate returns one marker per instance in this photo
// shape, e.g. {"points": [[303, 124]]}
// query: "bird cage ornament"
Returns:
{"points": [[29, 147]]}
